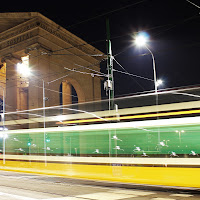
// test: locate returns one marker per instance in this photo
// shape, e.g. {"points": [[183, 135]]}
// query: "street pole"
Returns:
{"points": [[110, 81], [4, 137], [156, 89], [154, 70], [45, 146]]}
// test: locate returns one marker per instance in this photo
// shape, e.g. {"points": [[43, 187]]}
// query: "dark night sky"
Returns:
{"points": [[173, 26]]}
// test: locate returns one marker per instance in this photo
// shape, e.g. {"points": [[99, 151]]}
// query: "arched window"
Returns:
{"points": [[74, 96], [67, 94], [1, 106]]}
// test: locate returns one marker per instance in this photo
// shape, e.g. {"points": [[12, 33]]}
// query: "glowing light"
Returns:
{"points": [[23, 67], [141, 39], [159, 82]]}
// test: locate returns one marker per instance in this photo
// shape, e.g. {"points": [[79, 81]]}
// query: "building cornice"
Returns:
{"points": [[24, 31]]}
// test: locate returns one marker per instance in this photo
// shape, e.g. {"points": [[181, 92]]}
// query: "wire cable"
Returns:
{"points": [[91, 69], [94, 64], [193, 4], [127, 72], [92, 74], [55, 91], [107, 13], [68, 54]]}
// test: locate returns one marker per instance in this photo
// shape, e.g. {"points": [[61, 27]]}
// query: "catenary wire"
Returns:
{"points": [[130, 73], [127, 72], [91, 69], [107, 13], [193, 4], [81, 72]]}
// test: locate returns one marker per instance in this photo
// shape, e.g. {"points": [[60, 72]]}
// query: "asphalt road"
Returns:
{"points": [[21, 186]]}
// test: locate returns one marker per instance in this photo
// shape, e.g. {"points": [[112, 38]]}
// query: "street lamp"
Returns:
{"points": [[140, 40]]}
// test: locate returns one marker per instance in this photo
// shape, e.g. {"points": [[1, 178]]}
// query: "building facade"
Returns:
{"points": [[55, 57]]}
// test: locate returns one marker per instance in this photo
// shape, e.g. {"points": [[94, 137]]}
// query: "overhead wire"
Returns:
{"points": [[81, 72], [20, 80], [90, 69], [55, 91], [97, 63], [91, 55], [176, 24], [79, 45], [128, 72], [107, 13], [56, 73], [134, 75], [193, 4]]}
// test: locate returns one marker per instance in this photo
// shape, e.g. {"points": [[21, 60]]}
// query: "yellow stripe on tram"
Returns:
{"points": [[132, 117]]}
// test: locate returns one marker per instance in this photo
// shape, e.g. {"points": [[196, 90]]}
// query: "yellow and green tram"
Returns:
{"points": [[150, 144]]}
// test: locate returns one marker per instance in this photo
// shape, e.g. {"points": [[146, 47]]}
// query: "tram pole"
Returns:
{"points": [[109, 83], [3, 119], [45, 146], [110, 80]]}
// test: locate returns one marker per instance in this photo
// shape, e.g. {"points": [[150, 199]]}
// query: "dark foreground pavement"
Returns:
{"points": [[21, 186]]}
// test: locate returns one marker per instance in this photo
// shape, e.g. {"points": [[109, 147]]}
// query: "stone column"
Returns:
{"points": [[35, 98], [22, 98], [11, 89], [66, 93], [11, 86]]}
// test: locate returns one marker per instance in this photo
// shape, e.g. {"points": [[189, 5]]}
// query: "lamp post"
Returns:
{"points": [[44, 99], [3, 122], [140, 41]]}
